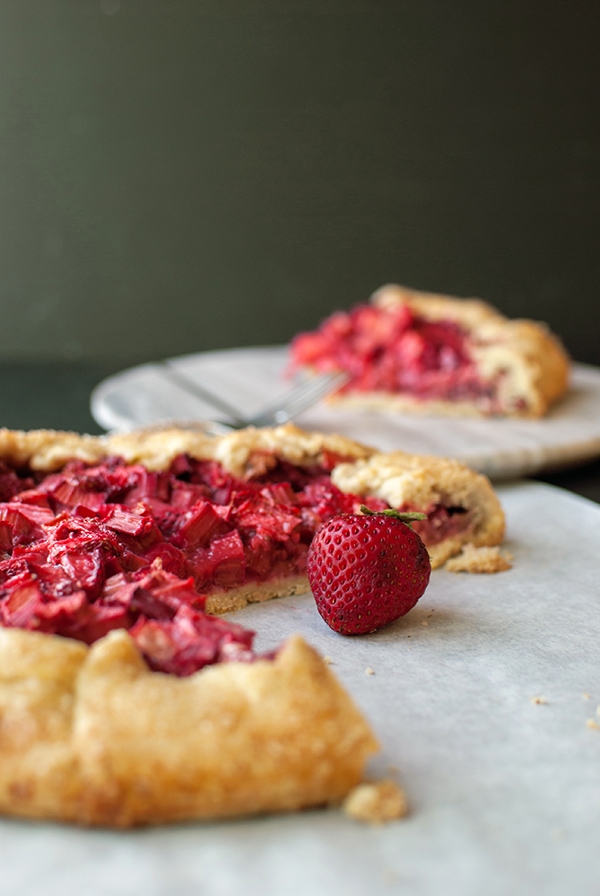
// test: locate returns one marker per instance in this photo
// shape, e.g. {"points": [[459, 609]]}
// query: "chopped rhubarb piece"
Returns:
{"points": [[190, 641], [148, 486], [63, 614], [83, 565], [265, 516], [156, 594], [279, 493], [6, 542], [35, 497], [19, 607], [155, 642], [71, 493], [319, 501], [37, 514], [184, 496], [101, 620], [228, 559], [260, 554], [23, 528], [171, 558], [121, 520], [202, 567], [199, 525]]}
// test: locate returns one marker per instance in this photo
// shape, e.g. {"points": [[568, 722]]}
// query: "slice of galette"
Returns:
{"points": [[417, 352], [123, 699]]}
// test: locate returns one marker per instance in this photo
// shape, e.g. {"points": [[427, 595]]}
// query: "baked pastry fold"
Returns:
{"points": [[90, 735]]}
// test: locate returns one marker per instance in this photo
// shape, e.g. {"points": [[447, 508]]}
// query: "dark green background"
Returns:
{"points": [[181, 175]]}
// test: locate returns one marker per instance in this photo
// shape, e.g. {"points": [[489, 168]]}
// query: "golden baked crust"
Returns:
{"points": [[46, 449], [528, 362], [376, 802], [480, 560], [91, 735], [239, 452]]}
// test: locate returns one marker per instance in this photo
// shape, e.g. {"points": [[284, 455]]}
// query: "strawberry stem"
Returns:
{"points": [[406, 516]]}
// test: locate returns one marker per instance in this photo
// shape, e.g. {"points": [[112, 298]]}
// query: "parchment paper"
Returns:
{"points": [[485, 698]]}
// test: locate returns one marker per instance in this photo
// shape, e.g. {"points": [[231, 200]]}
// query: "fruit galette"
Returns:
{"points": [[416, 352], [124, 699]]}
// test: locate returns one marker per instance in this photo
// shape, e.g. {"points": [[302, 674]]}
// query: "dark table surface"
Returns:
{"points": [[56, 396]]}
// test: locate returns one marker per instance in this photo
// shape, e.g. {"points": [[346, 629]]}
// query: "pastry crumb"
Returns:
{"points": [[539, 700], [593, 724], [483, 559], [376, 802], [369, 671], [587, 696], [328, 661]]}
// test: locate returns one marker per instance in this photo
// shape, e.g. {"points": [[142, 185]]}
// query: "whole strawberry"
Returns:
{"points": [[366, 570]]}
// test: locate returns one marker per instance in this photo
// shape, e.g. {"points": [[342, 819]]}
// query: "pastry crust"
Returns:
{"points": [[480, 560], [46, 450], [527, 362], [90, 735]]}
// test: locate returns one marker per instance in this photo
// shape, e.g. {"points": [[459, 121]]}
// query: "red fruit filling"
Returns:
{"points": [[393, 350], [442, 523], [93, 548]]}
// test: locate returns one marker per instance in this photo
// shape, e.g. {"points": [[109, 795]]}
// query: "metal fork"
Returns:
{"points": [[292, 403]]}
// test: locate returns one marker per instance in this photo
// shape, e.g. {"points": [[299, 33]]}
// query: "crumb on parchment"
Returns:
{"points": [[483, 559], [376, 802], [541, 701]]}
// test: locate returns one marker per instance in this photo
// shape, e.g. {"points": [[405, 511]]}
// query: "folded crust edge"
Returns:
{"points": [[92, 736]]}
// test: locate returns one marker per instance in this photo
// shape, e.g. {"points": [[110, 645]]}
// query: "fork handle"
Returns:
{"points": [[193, 388]]}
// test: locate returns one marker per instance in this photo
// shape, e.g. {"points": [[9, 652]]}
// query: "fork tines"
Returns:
{"points": [[299, 398]]}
